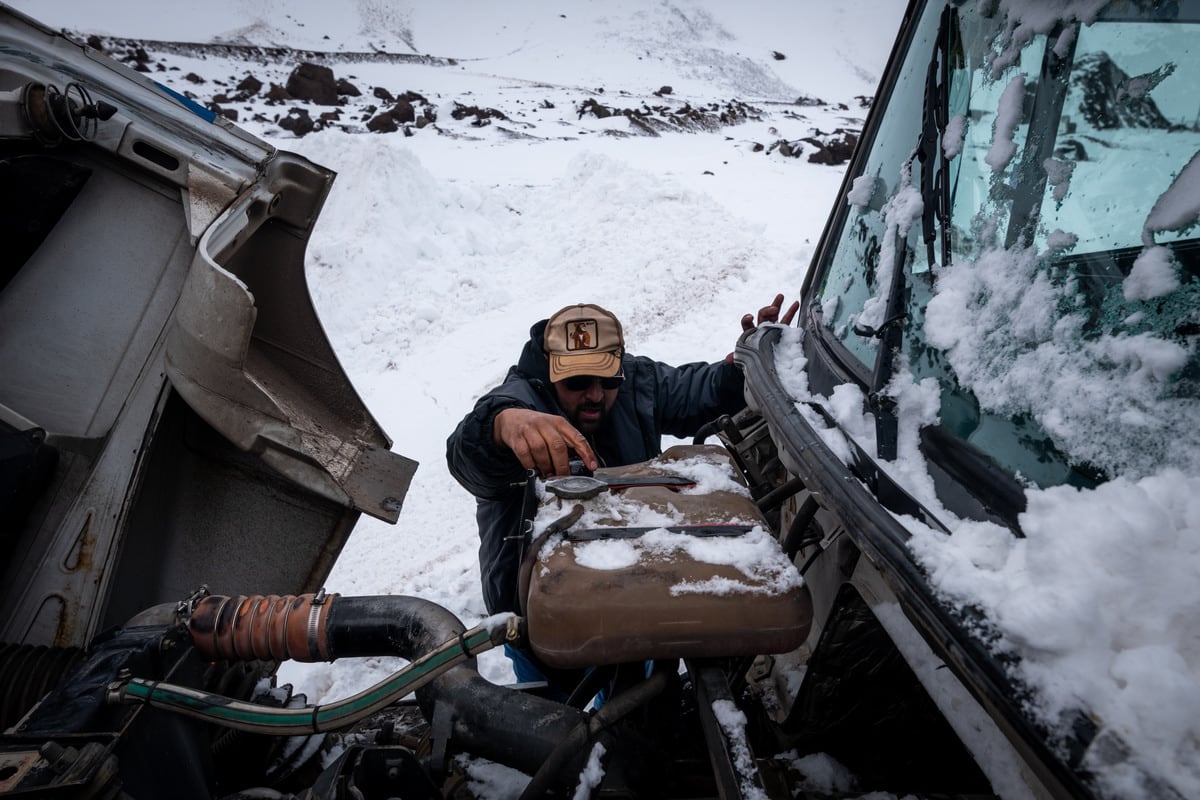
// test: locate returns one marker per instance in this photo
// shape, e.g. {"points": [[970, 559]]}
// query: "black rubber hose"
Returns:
{"points": [[774, 498], [509, 727], [568, 756], [704, 431], [794, 539], [360, 627], [589, 685]]}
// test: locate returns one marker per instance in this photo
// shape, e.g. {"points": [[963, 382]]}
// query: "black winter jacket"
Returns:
{"points": [[655, 399]]}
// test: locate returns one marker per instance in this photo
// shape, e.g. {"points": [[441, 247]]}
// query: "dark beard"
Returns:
{"points": [[590, 426]]}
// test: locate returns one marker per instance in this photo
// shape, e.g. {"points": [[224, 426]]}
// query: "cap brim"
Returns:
{"points": [[602, 365]]}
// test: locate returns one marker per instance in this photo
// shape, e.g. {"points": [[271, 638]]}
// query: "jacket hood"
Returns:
{"points": [[533, 362]]}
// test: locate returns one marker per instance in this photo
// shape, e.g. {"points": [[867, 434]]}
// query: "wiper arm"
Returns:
{"points": [[934, 119], [891, 337], [891, 332]]}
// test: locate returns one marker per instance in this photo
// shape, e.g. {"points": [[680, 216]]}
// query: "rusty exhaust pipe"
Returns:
{"points": [[266, 627]]}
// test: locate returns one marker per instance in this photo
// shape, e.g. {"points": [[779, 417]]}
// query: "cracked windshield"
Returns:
{"points": [[1047, 244]]}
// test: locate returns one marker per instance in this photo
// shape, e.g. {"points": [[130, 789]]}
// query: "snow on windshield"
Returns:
{"points": [[1106, 401], [1027, 19], [1076, 330], [899, 213], [1178, 208], [1098, 599], [1090, 331]]}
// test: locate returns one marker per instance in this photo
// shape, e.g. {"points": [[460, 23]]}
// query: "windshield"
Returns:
{"points": [[1057, 301]]}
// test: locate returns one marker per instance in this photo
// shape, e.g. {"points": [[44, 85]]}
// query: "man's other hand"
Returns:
{"points": [[541, 442], [771, 314], [768, 314]]}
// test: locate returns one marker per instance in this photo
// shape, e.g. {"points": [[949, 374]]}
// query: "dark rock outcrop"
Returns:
{"points": [[250, 86], [314, 83], [298, 122]]}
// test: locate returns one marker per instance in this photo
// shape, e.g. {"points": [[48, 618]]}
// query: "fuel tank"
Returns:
{"points": [[649, 572]]}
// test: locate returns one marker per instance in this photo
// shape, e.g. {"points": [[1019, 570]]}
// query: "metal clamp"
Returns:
{"points": [[185, 607]]}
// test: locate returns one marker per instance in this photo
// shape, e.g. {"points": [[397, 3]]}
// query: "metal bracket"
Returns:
{"points": [[185, 607]]}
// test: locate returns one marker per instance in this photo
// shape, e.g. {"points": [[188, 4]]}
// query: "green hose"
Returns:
{"points": [[289, 721]]}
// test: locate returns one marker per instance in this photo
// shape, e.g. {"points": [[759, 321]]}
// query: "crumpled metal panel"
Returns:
{"points": [[247, 352], [184, 261]]}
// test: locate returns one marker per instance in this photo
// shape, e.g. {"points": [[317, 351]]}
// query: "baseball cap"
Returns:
{"points": [[583, 339]]}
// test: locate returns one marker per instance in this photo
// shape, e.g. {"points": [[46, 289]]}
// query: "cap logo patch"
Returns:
{"points": [[581, 335]]}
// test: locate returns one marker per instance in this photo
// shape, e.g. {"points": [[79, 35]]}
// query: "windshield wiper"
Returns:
{"points": [[1029, 180], [935, 189], [890, 332]]}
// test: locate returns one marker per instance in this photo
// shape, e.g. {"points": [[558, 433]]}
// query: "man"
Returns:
{"points": [[574, 390]]}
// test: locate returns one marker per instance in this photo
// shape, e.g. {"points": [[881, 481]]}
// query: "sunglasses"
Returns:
{"points": [[581, 383]]}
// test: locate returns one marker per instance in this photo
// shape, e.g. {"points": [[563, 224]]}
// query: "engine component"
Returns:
{"points": [[27, 672], [551, 774], [51, 115], [263, 719], [267, 627], [86, 771], [583, 487]]}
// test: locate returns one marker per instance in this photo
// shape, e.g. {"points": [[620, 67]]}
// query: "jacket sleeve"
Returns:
{"points": [[483, 469], [691, 395]]}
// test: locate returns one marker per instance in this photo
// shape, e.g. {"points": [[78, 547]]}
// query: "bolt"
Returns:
{"points": [[58, 757]]}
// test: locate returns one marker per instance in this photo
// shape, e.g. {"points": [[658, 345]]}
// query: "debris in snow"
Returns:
{"points": [[483, 116], [832, 148], [310, 80], [249, 86], [786, 149]]}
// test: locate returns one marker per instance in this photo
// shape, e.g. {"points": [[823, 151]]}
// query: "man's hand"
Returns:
{"points": [[768, 314], [771, 314], [541, 442]]}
